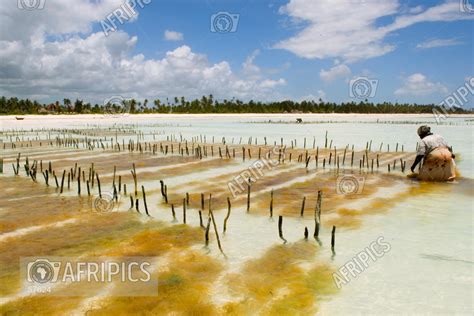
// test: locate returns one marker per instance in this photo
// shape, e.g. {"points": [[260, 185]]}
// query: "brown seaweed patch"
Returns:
{"points": [[155, 242], [288, 200], [276, 285], [351, 218], [40, 305], [91, 234], [183, 289]]}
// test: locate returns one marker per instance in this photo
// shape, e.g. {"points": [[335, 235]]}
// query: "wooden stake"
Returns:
{"points": [[173, 212], [200, 219], [333, 239], [280, 230], [144, 200], [302, 206], [215, 230], [248, 196], [271, 204], [228, 214], [62, 181], [184, 210], [98, 185], [208, 226], [317, 214]]}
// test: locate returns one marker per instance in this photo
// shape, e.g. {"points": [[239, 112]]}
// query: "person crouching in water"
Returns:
{"points": [[438, 159]]}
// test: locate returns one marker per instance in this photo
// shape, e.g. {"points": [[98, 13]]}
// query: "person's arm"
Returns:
{"points": [[451, 151], [420, 153], [416, 162]]}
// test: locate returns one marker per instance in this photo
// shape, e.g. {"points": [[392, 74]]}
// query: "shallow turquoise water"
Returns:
{"points": [[430, 266]]}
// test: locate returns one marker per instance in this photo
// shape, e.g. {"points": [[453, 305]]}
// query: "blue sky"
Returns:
{"points": [[418, 51]]}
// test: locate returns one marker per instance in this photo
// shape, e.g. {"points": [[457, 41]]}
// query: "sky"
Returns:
{"points": [[337, 50]]}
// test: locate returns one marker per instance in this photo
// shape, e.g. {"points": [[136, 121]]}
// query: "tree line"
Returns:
{"points": [[207, 104]]}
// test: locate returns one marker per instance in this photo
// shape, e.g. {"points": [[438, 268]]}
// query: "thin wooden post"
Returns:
{"points": [[173, 212], [200, 219], [229, 206], [215, 230], [144, 200], [184, 211], [62, 181], [280, 228], [317, 214], [333, 239], [302, 206], [248, 196], [206, 234], [98, 185], [271, 204]]}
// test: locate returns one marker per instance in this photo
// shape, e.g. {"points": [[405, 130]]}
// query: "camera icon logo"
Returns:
{"points": [[350, 184], [105, 203], [467, 6], [116, 106], [224, 22], [363, 87], [30, 4], [43, 271]]}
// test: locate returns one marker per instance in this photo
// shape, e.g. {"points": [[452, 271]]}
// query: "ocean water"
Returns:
{"points": [[429, 268]]}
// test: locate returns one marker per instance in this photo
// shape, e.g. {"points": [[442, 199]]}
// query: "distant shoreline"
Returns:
{"points": [[191, 115]]}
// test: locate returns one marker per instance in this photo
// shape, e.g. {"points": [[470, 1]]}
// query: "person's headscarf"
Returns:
{"points": [[423, 131]]}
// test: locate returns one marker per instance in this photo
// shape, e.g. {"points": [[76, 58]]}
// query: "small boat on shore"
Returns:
{"points": [[18, 118]]}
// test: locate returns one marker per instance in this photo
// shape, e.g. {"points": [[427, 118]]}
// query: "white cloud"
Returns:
{"points": [[57, 56], [269, 83], [56, 18], [248, 66], [418, 85], [337, 29], [173, 36], [439, 43], [415, 10], [310, 97], [336, 72]]}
